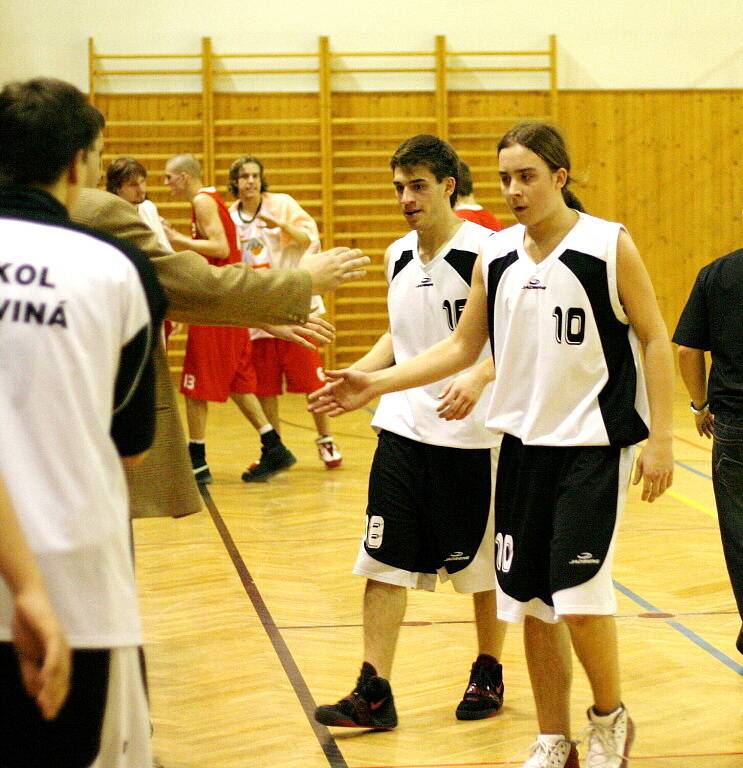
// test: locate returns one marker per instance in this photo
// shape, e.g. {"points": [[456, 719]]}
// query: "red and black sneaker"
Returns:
{"points": [[369, 705], [484, 695]]}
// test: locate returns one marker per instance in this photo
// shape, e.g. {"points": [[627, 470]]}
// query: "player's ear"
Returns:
{"points": [[450, 184]]}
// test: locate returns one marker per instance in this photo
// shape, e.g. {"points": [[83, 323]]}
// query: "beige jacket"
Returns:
{"points": [[198, 293]]}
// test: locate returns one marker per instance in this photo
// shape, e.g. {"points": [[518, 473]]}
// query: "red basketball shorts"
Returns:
{"points": [[276, 360], [218, 363]]}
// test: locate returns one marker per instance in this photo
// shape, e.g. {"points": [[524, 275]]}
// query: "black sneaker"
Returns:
{"points": [[201, 473], [273, 460], [369, 705], [484, 695]]}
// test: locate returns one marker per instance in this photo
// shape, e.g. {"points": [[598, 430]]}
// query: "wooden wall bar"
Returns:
{"points": [[665, 163]]}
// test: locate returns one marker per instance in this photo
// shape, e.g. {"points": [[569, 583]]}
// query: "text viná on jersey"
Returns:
{"points": [[26, 311]]}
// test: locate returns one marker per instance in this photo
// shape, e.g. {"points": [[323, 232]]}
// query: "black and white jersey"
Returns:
{"points": [[567, 362], [425, 302]]}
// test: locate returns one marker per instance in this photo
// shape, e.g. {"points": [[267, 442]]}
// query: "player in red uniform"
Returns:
{"points": [[218, 361]]}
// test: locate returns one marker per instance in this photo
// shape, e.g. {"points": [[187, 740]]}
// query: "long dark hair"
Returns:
{"points": [[545, 141], [234, 174]]}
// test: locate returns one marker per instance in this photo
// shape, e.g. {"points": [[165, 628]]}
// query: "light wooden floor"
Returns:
{"points": [[252, 617]]}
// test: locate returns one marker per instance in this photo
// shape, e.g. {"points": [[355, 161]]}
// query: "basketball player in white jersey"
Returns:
{"points": [[78, 316], [567, 303], [430, 488]]}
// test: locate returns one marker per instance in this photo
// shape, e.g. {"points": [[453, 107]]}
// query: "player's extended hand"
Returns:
{"points": [[329, 269], [42, 650], [460, 395], [704, 422], [655, 468], [345, 391], [315, 329]]}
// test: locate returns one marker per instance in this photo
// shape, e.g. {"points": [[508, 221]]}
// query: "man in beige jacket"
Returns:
{"points": [[163, 485]]}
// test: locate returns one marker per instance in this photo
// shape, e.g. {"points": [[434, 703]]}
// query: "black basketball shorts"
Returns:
{"points": [[430, 512], [557, 514], [104, 722]]}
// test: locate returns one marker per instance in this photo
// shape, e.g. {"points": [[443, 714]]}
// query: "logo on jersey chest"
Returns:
{"points": [[425, 283], [584, 558], [534, 284]]}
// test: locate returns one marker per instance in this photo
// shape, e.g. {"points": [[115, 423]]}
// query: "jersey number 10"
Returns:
{"points": [[570, 325]]}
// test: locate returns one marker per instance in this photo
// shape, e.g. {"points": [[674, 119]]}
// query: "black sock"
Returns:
{"points": [[197, 451], [269, 439]]}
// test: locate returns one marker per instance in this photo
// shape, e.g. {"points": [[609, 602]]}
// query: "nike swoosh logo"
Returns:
{"points": [[375, 705]]}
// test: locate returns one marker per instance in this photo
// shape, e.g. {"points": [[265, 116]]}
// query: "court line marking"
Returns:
{"points": [[688, 633], [324, 737]]}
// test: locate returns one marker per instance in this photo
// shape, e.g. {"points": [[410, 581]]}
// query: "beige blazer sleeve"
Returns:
{"points": [[197, 292]]}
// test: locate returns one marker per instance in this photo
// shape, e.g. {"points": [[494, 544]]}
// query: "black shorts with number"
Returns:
{"points": [[557, 514], [429, 512]]}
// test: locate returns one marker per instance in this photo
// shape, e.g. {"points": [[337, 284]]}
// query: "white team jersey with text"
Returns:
{"points": [[568, 370], [424, 303], [68, 304]]}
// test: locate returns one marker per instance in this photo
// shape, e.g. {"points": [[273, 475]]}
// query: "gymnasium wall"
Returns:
{"points": [[665, 163], [613, 44]]}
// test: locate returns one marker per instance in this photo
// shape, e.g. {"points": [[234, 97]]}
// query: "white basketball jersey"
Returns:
{"points": [[425, 302], [567, 361]]}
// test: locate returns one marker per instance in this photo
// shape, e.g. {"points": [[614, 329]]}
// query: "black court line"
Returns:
{"points": [[327, 743]]}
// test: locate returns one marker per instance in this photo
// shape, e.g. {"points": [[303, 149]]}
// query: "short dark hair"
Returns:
{"points": [[43, 124], [121, 170], [465, 179], [235, 169], [434, 153]]}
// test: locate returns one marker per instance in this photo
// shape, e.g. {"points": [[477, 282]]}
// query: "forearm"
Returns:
{"points": [[380, 356], [17, 564], [210, 248], [438, 362], [234, 294], [694, 374], [660, 380]]}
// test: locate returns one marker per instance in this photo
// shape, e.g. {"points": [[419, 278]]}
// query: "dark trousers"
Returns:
{"points": [[727, 478]]}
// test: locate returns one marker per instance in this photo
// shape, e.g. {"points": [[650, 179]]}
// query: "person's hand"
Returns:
{"points": [[43, 653], [345, 391], [175, 238], [460, 395], [655, 468], [315, 329], [329, 269], [268, 221], [704, 422]]}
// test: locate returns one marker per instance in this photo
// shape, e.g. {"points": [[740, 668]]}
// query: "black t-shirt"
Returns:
{"points": [[713, 320]]}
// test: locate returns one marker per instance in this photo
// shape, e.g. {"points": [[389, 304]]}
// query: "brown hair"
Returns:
{"points": [[432, 152], [545, 141], [235, 169], [121, 170]]}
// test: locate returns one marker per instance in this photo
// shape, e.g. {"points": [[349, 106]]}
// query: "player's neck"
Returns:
{"points": [[193, 187], [544, 236], [249, 207], [440, 232]]}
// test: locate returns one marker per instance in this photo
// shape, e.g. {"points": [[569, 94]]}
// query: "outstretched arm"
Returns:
{"points": [[655, 462], [351, 388]]}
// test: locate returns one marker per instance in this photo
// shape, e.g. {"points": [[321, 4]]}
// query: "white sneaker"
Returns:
{"points": [[609, 739], [328, 452], [552, 751]]}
